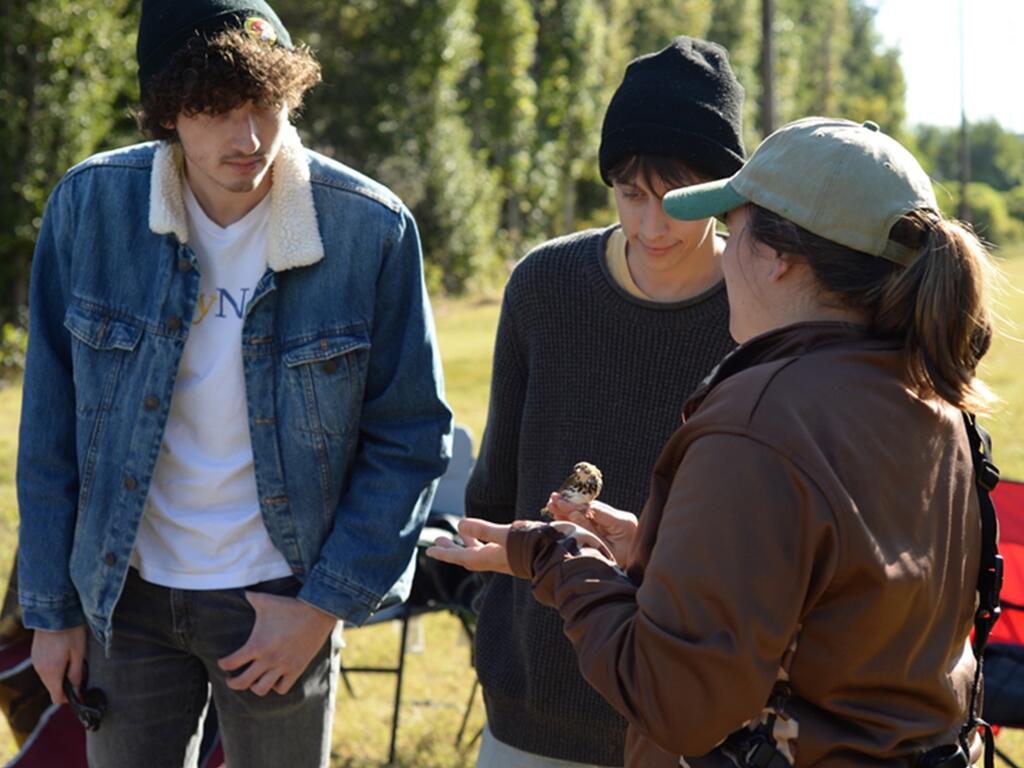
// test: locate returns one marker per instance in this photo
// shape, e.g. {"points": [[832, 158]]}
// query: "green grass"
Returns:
{"points": [[1003, 369], [466, 336], [439, 680]]}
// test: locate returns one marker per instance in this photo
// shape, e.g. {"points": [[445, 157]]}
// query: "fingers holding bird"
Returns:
{"points": [[483, 544]]}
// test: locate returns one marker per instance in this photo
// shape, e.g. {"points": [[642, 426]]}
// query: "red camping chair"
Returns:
{"points": [[1004, 657], [1009, 500]]}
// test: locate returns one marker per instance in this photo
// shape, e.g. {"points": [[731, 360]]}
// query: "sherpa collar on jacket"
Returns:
{"points": [[293, 238]]}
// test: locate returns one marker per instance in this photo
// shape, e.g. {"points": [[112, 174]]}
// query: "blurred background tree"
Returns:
{"points": [[483, 115], [66, 82]]}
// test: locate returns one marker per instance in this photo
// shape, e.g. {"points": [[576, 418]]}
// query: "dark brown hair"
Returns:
{"points": [[217, 75], [674, 172], [937, 306]]}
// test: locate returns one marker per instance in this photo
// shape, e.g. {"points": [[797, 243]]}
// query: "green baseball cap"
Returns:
{"points": [[846, 182]]}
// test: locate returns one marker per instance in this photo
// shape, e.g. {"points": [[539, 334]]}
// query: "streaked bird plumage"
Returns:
{"points": [[581, 487]]}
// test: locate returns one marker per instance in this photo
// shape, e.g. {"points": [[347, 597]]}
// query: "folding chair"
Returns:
{"points": [[1004, 658], [436, 586]]}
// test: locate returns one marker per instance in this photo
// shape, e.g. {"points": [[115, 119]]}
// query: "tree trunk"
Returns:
{"points": [[767, 67]]}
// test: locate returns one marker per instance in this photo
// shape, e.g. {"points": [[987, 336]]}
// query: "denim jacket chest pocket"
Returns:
{"points": [[100, 346], [325, 377]]}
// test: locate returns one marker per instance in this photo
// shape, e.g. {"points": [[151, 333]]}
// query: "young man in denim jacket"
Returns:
{"points": [[233, 413]]}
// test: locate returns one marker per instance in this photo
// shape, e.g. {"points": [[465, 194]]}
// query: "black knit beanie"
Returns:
{"points": [[682, 102], [166, 25]]}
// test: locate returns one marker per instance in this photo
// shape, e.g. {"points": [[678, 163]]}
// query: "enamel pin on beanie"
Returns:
{"points": [[167, 25], [261, 29]]}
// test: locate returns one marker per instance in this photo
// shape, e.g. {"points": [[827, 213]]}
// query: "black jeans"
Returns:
{"points": [[162, 669]]}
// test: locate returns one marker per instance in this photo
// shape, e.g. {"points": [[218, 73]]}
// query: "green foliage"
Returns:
{"points": [[996, 193], [937, 149], [392, 105], [483, 115], [997, 155], [65, 87], [1014, 199], [504, 108], [736, 24], [873, 87], [656, 22], [989, 214], [829, 60], [13, 342]]}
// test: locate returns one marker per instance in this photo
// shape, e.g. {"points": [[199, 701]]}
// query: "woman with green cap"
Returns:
{"points": [[801, 585]]}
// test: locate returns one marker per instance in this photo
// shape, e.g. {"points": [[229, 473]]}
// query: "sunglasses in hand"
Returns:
{"points": [[89, 707]]}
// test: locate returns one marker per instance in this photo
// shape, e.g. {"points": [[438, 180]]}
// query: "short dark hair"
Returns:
{"points": [[671, 170], [217, 75]]}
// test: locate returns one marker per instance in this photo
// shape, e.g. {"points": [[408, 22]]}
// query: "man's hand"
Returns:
{"points": [[55, 654], [285, 638]]}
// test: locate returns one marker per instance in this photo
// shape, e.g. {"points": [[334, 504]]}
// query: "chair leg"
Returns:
{"points": [[1002, 756], [398, 688], [467, 712], [347, 682]]}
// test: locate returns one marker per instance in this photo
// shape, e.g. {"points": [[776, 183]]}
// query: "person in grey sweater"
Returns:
{"points": [[602, 337]]}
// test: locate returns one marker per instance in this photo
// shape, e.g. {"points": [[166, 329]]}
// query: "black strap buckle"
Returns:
{"points": [[760, 751], [987, 474], [946, 756], [990, 583]]}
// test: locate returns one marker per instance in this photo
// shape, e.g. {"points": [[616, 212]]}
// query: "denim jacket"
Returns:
{"points": [[344, 388]]}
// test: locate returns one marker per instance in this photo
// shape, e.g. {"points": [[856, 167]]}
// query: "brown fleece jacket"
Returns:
{"points": [[813, 522]]}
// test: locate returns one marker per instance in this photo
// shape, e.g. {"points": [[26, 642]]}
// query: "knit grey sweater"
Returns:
{"points": [[582, 372]]}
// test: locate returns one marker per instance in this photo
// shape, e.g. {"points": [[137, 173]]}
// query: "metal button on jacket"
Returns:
{"points": [[174, 322]]}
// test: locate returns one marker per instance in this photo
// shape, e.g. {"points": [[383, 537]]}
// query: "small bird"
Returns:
{"points": [[581, 487]]}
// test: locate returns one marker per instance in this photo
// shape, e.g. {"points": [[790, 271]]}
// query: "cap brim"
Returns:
{"points": [[702, 201]]}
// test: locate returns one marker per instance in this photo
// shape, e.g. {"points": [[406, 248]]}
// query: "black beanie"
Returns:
{"points": [[166, 25], [682, 102]]}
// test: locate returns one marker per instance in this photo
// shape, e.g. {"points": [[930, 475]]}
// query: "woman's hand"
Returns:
{"points": [[483, 547], [617, 529]]}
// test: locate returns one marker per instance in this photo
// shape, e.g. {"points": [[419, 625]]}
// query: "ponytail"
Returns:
{"points": [[938, 306]]}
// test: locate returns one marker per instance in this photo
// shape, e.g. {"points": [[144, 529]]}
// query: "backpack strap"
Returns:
{"points": [[990, 573]]}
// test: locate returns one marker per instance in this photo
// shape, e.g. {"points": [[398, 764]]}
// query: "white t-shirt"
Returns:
{"points": [[202, 527]]}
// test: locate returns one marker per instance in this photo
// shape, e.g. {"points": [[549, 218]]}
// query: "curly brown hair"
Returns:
{"points": [[216, 75]]}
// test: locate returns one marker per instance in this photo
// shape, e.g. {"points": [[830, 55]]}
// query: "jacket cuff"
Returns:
{"points": [[528, 544], [343, 599], [52, 618], [535, 550]]}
